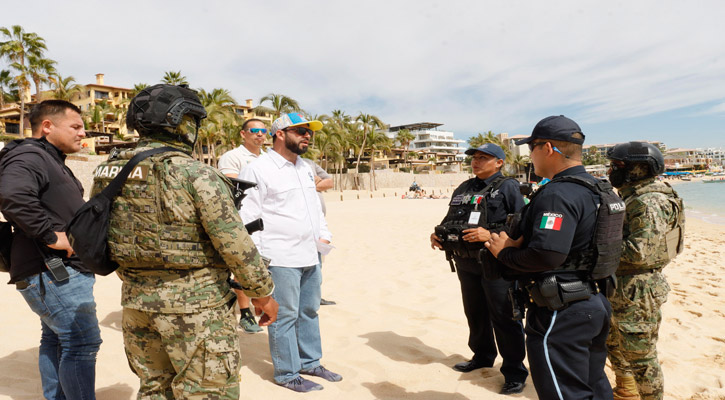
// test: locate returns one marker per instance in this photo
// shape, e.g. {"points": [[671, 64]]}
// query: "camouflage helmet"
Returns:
{"points": [[639, 153], [161, 109]]}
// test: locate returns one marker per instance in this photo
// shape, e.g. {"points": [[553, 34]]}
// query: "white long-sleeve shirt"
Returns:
{"points": [[286, 199]]}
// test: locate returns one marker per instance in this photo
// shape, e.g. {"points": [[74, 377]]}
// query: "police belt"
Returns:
{"points": [[550, 293]]}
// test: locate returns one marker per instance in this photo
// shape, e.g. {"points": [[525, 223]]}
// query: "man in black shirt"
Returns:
{"points": [[39, 195], [568, 318], [478, 207]]}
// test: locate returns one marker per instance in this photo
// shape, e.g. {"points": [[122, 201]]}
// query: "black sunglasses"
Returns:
{"points": [[301, 131], [532, 145]]}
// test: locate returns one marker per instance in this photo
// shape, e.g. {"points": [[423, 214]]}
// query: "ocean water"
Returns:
{"points": [[704, 201]]}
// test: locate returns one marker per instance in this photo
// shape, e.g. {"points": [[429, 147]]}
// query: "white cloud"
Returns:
{"points": [[473, 65]]}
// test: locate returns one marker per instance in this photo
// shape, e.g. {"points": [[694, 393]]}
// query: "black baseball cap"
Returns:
{"points": [[555, 128], [488, 148]]}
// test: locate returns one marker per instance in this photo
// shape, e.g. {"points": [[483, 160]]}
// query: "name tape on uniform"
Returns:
{"points": [[139, 173], [551, 221]]}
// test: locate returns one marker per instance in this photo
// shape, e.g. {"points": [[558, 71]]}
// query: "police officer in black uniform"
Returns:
{"points": [[478, 207], [568, 320]]}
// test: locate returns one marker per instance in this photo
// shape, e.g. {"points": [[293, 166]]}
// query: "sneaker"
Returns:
{"points": [[301, 385], [324, 302], [323, 373], [249, 324]]}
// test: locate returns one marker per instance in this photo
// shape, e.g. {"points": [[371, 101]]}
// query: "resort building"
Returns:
{"points": [[246, 111], [431, 149], [686, 159]]}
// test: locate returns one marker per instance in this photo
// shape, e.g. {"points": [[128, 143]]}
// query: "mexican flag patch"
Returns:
{"points": [[551, 221]]}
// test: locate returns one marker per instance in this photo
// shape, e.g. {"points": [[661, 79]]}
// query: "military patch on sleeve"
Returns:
{"points": [[551, 221]]}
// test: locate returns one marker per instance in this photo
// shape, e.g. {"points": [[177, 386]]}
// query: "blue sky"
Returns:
{"points": [[644, 70]]}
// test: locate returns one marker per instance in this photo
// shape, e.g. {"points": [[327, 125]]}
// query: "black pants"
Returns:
{"points": [[488, 311], [567, 350]]}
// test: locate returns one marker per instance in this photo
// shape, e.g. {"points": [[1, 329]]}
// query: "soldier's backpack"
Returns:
{"points": [[88, 230]]}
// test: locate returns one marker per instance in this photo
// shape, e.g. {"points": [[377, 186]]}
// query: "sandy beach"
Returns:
{"points": [[398, 325]]}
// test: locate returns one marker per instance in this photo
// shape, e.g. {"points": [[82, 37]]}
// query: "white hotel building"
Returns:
{"points": [[429, 139]]}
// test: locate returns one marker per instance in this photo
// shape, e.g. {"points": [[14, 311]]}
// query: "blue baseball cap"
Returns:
{"points": [[293, 119], [488, 148], [555, 128]]}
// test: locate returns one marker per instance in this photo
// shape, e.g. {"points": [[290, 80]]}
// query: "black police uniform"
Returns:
{"points": [[566, 348], [485, 302]]}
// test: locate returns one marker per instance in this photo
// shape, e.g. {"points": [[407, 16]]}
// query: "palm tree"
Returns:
{"points": [[41, 71], [377, 140], [368, 123], [18, 46], [174, 78], [404, 137], [490, 137], [520, 162], [220, 114], [6, 85], [96, 116], [279, 104], [137, 88], [65, 88]]}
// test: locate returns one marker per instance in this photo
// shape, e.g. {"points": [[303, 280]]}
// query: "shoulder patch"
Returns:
{"points": [[551, 221]]}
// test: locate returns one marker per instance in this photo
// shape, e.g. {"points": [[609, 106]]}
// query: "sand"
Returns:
{"points": [[398, 325]]}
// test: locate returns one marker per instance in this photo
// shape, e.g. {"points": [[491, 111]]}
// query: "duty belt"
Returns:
{"points": [[555, 295]]}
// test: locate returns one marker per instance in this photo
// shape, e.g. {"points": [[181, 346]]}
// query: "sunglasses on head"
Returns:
{"points": [[258, 130], [301, 131]]}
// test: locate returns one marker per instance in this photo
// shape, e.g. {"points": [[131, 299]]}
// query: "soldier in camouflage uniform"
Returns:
{"points": [[177, 236], [653, 232]]}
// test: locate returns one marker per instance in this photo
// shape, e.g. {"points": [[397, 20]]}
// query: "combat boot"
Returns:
{"points": [[626, 389]]}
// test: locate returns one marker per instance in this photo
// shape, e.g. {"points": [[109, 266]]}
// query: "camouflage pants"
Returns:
{"points": [[183, 356], [632, 342]]}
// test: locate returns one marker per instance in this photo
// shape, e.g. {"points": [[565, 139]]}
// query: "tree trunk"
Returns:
{"points": [[362, 148], [22, 115]]}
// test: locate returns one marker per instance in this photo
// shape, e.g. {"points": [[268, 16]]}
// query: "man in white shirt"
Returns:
{"points": [[286, 199], [254, 133]]}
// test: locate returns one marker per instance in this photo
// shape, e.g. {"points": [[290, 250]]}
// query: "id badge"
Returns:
{"points": [[474, 217]]}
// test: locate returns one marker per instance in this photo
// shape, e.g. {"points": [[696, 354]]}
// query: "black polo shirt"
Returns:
{"points": [[561, 218]]}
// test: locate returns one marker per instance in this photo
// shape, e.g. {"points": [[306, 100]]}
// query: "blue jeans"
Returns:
{"points": [[70, 336], [294, 339]]}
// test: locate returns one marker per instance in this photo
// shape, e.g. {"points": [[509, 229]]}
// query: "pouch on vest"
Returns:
{"points": [[675, 237]]}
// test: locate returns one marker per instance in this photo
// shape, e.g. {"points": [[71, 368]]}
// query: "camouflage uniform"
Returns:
{"points": [[652, 211], [177, 237]]}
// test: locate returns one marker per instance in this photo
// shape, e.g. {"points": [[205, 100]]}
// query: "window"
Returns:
{"points": [[101, 95], [12, 128]]}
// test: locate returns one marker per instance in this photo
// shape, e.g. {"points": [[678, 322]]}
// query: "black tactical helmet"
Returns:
{"points": [[640, 153], [161, 109]]}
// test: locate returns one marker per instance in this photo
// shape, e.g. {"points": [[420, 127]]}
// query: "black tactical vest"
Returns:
{"points": [[601, 259], [459, 218]]}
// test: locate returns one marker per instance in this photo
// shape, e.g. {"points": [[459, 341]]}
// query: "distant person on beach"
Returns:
{"points": [[294, 232], [177, 236], [231, 163], [568, 315], [478, 207], [323, 182], [39, 195], [653, 235]]}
